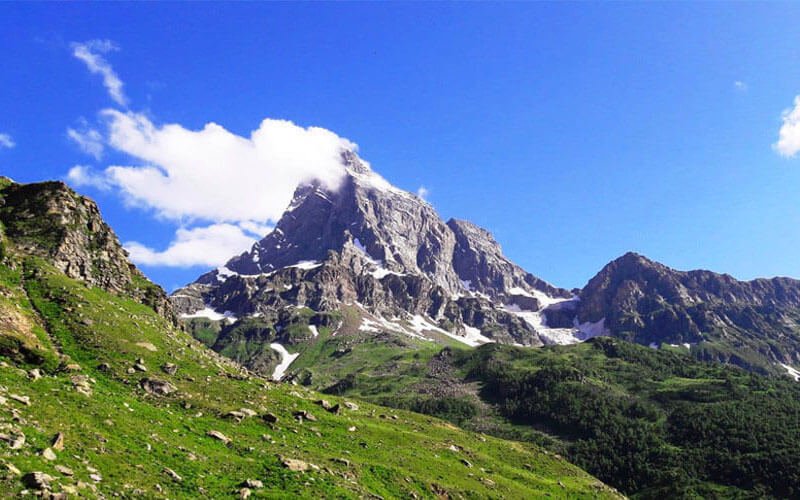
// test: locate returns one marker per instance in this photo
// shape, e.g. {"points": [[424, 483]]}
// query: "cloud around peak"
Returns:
{"points": [[215, 175]]}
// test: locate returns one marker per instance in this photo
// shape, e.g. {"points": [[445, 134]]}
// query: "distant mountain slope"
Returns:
{"points": [[654, 423], [101, 396], [754, 324]]}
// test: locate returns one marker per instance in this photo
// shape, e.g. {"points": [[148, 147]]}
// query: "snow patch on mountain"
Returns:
{"points": [[795, 374], [286, 360], [209, 313]]}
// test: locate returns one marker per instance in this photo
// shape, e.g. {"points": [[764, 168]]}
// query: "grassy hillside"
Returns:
{"points": [[89, 365], [654, 423]]}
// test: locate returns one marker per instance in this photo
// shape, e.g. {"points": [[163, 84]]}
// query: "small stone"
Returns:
{"points": [[174, 475], [466, 462], [37, 480], [270, 418], [21, 399], [64, 470], [74, 367], [157, 387], [350, 406], [352, 428], [218, 435], [58, 442], [104, 367], [140, 367], [324, 404], [342, 461], [295, 465], [147, 345], [95, 477], [302, 414], [169, 368], [49, 454], [12, 469], [245, 493], [253, 484], [248, 412], [35, 374]]}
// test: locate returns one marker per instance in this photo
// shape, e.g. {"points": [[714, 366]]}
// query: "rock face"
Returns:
{"points": [[50, 220], [383, 249], [749, 323]]}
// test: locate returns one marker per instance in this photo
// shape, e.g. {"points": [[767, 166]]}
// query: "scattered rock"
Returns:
{"points": [[248, 412], [466, 462], [169, 368], [95, 477], [49, 454], [304, 415], [74, 367], [58, 442], [245, 493], [342, 461], [174, 475], [270, 418], [295, 465], [139, 367], [64, 470], [324, 404], [237, 415], [147, 345], [157, 387], [351, 428], [104, 367], [351, 406], [21, 399], [218, 435], [37, 480], [35, 374], [253, 484], [18, 441], [13, 470]]}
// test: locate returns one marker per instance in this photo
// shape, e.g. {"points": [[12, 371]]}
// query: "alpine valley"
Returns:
{"points": [[365, 348]]}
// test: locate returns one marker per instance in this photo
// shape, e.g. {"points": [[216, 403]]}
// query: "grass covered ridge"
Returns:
{"points": [[118, 438]]}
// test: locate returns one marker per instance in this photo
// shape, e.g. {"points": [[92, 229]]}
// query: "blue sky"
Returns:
{"points": [[574, 132]]}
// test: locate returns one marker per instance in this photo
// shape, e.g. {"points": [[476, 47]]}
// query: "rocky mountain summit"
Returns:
{"points": [[754, 324], [384, 251]]}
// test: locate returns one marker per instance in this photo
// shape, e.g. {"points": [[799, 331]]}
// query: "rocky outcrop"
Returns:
{"points": [[51, 221], [480, 264]]}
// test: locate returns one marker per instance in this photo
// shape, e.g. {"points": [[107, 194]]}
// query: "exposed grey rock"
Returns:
{"points": [[50, 220], [157, 387], [37, 480]]}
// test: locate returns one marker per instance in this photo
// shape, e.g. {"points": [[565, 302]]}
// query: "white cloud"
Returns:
{"points": [[91, 53], [423, 192], [209, 246], [789, 135], [81, 176], [215, 175], [90, 141], [6, 141], [740, 85]]}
